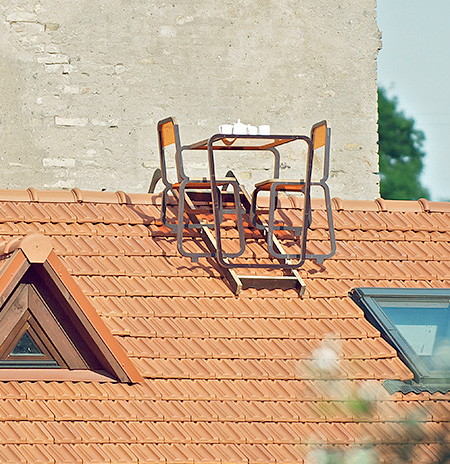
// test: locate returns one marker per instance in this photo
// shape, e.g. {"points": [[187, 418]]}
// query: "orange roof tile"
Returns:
{"points": [[225, 378]]}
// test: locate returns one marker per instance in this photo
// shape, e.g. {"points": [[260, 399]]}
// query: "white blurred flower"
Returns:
{"points": [[318, 457], [366, 393], [360, 456], [326, 359]]}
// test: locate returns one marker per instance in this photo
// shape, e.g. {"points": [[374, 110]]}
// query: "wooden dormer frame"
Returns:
{"points": [[32, 262], [16, 319]]}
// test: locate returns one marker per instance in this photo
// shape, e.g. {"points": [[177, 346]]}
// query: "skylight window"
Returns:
{"points": [[416, 322]]}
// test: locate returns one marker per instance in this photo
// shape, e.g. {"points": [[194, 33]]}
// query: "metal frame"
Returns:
{"points": [[155, 179], [323, 184], [206, 184], [293, 185], [277, 140], [237, 142], [369, 300], [215, 194], [172, 137]]}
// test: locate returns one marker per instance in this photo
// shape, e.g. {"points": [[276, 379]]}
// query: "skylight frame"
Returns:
{"points": [[370, 299]]}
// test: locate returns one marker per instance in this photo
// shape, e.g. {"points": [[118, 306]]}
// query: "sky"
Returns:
{"points": [[414, 66]]}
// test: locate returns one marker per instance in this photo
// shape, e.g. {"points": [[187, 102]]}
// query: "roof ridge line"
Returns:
{"points": [[382, 205], [76, 195], [414, 206]]}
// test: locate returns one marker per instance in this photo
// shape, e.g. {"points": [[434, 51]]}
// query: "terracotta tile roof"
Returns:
{"points": [[226, 378]]}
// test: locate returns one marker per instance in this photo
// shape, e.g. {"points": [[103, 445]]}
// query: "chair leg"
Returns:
{"points": [[320, 258], [180, 228], [172, 227], [271, 229], [272, 206], [240, 226], [253, 210]]}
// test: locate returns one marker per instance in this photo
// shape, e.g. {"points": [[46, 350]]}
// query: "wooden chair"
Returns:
{"points": [[169, 135], [320, 138]]}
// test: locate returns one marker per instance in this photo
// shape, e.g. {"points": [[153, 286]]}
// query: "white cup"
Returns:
{"points": [[239, 128], [226, 128], [252, 130], [264, 129]]}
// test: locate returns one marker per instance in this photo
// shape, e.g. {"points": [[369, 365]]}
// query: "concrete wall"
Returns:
{"points": [[84, 83]]}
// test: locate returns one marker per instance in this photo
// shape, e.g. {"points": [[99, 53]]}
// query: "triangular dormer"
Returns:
{"points": [[48, 328]]}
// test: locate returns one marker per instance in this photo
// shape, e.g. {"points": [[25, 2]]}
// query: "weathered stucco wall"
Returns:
{"points": [[83, 84]]}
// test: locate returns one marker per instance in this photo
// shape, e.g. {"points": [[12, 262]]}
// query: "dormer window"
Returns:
{"points": [[48, 328], [28, 350], [416, 322], [32, 335]]}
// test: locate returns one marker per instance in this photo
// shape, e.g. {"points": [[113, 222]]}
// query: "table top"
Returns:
{"points": [[244, 142]]}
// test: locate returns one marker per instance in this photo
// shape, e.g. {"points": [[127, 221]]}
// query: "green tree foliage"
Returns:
{"points": [[400, 150]]}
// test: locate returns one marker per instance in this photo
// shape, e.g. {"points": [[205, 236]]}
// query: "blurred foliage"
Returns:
{"points": [[408, 436], [400, 150]]}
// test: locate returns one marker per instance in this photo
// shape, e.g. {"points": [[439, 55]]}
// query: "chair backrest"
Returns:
{"points": [[168, 134], [320, 136]]}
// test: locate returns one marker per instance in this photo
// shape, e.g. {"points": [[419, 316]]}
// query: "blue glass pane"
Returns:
{"points": [[26, 347], [426, 327]]}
